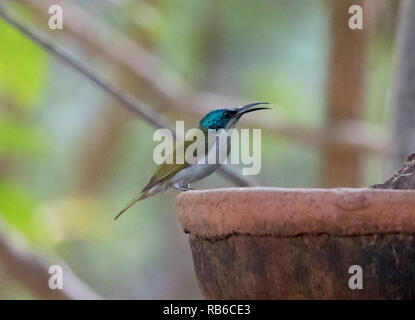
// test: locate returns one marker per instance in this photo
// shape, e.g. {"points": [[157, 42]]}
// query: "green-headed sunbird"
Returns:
{"points": [[180, 175]]}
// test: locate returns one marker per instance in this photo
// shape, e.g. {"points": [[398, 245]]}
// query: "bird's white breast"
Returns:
{"points": [[202, 168]]}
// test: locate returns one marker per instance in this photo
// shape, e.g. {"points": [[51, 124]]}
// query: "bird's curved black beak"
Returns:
{"points": [[249, 108]]}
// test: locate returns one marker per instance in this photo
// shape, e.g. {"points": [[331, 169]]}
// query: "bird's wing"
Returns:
{"points": [[165, 171]]}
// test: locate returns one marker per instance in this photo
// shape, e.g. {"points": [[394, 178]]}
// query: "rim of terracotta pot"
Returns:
{"points": [[282, 212]]}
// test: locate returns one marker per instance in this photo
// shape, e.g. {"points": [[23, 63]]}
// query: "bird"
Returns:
{"points": [[180, 174]]}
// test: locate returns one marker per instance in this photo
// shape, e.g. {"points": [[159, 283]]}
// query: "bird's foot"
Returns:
{"points": [[182, 188]]}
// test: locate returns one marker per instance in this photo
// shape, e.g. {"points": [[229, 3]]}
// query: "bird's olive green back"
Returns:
{"points": [[166, 171]]}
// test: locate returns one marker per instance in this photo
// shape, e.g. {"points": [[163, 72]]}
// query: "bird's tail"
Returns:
{"points": [[140, 197]]}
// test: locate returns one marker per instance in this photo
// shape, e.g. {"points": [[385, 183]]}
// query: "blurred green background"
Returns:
{"points": [[71, 157]]}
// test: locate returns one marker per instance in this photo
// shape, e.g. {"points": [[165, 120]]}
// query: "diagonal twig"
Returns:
{"points": [[128, 101], [32, 270], [403, 179], [159, 83]]}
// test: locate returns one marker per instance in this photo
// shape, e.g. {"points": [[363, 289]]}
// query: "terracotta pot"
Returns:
{"points": [[271, 243]]}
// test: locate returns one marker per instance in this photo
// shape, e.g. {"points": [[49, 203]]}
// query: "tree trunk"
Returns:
{"points": [[340, 163], [403, 94]]}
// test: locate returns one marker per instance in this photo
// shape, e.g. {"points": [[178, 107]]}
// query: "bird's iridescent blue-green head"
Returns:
{"points": [[227, 118]]}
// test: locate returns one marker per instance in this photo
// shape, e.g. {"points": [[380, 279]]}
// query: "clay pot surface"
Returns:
{"points": [[273, 243]]}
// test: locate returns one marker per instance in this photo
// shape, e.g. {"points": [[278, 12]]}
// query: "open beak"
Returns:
{"points": [[249, 108]]}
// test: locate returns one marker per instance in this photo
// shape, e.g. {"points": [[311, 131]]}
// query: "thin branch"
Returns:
{"points": [[131, 103], [169, 90], [402, 179], [31, 269], [128, 101]]}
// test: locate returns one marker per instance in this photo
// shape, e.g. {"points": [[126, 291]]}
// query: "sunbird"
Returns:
{"points": [[181, 175]]}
